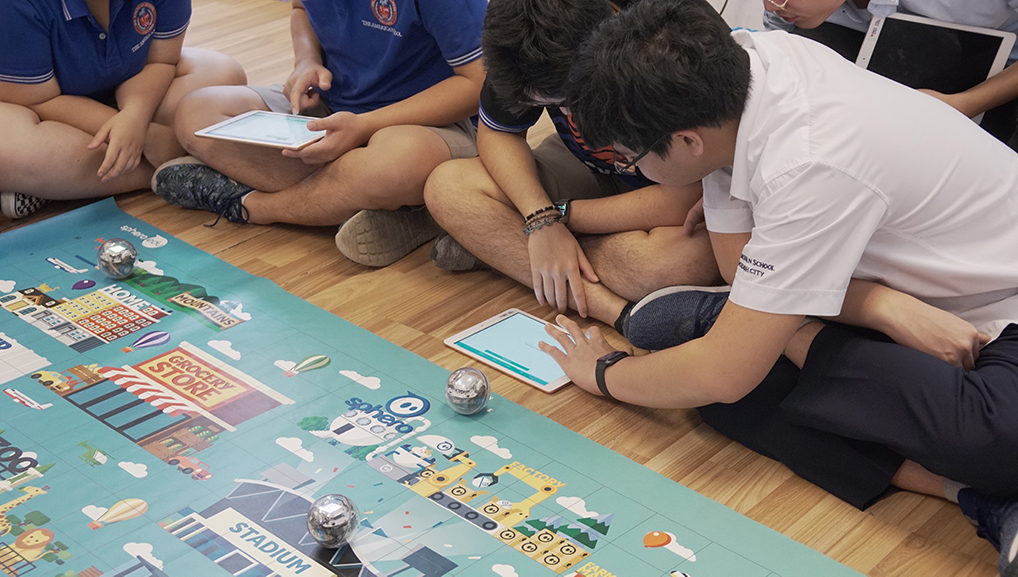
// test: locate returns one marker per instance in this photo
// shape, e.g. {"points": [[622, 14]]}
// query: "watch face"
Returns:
{"points": [[614, 356]]}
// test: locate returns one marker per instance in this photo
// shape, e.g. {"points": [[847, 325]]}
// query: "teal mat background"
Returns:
{"points": [[285, 328]]}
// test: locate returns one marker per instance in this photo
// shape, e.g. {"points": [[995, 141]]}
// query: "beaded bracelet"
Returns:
{"points": [[540, 211], [539, 223]]}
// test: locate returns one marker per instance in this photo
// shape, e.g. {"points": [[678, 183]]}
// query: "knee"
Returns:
{"points": [[447, 184], [213, 68], [681, 259], [191, 115]]}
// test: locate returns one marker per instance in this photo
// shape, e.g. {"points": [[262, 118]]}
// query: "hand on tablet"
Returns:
{"points": [[299, 86], [125, 133], [559, 266], [344, 131], [579, 361]]}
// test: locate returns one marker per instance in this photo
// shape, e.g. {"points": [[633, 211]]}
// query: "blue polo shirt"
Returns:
{"points": [[40, 39], [384, 51]]}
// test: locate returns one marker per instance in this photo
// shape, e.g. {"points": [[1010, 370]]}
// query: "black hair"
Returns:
{"points": [[529, 45], [659, 67]]}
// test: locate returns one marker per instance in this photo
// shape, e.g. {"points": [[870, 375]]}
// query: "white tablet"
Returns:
{"points": [[924, 53], [265, 129], [508, 342]]}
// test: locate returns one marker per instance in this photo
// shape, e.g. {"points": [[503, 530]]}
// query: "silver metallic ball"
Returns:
{"points": [[332, 520], [467, 391], [117, 258]]}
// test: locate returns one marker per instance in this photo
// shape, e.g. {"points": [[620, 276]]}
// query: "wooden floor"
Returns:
{"points": [[416, 305]]}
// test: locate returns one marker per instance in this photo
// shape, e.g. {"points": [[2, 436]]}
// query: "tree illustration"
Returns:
{"points": [[314, 423], [57, 553], [361, 453], [589, 530], [32, 520]]}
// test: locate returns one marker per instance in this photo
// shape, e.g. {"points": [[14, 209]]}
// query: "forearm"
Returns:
{"points": [[510, 162], [990, 93], [142, 93], [306, 48], [449, 101], [721, 367], [81, 112], [642, 209]]}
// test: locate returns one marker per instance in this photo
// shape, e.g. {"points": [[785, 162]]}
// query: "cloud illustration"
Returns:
{"points": [[225, 347], [505, 570], [149, 266], [93, 512], [576, 505], [137, 470], [143, 550], [295, 446], [369, 382], [7, 286], [285, 365], [490, 443]]}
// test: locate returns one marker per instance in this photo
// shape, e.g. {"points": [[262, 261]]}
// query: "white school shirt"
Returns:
{"points": [[840, 173]]}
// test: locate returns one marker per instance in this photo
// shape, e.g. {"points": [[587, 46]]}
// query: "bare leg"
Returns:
{"points": [[914, 477], [259, 167], [388, 173], [197, 68], [464, 199], [622, 260], [51, 159]]}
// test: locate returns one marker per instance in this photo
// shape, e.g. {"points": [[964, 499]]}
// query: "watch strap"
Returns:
{"points": [[602, 364]]}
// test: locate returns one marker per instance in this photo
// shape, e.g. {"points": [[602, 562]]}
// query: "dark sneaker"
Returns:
{"points": [[190, 183], [447, 254], [17, 205], [381, 237], [996, 520], [673, 315]]}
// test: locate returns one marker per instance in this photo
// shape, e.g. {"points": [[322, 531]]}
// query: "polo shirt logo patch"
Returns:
{"points": [[385, 11], [144, 18]]}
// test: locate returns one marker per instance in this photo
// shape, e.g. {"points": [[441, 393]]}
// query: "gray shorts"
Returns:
{"points": [[564, 176], [460, 137]]}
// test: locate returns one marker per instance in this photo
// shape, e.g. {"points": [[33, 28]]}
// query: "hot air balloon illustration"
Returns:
{"points": [[152, 339], [667, 540], [311, 363], [120, 511]]}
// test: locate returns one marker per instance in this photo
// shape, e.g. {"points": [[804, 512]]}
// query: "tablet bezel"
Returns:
{"points": [[209, 131], [452, 342], [1007, 41]]}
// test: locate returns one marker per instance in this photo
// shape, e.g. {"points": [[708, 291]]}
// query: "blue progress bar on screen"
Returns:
{"points": [[503, 362]]}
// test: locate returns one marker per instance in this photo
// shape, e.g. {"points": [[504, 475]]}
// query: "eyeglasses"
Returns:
{"points": [[625, 166], [778, 7]]}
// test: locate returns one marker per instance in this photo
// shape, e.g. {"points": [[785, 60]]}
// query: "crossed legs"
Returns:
{"points": [[50, 159], [387, 173], [470, 206]]}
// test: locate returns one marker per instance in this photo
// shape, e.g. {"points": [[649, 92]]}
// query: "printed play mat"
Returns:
{"points": [[181, 422]]}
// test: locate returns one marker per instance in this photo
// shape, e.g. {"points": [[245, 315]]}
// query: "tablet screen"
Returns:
{"points": [[274, 129], [511, 343], [919, 55]]}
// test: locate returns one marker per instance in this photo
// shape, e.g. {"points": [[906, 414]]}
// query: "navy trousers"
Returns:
{"points": [[862, 404]]}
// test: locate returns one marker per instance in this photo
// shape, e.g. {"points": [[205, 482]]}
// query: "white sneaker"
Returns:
{"points": [[18, 205]]}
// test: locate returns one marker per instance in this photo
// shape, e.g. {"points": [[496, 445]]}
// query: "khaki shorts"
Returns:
{"points": [[460, 137], [564, 176]]}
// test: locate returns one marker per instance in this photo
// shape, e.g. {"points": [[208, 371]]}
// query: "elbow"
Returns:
{"points": [[732, 392]]}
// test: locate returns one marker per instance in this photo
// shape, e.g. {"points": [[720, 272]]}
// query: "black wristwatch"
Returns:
{"points": [[602, 364], [563, 207]]}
